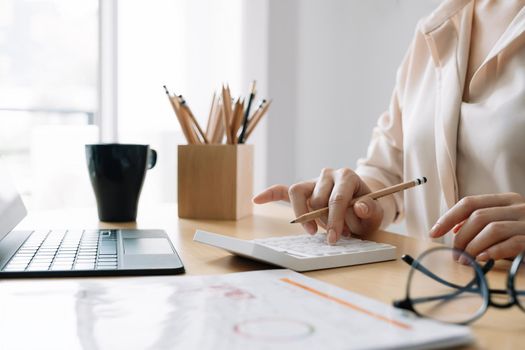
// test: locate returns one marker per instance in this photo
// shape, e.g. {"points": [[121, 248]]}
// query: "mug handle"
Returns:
{"points": [[152, 158]]}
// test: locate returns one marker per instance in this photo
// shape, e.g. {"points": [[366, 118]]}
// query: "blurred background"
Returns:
{"points": [[82, 71]]}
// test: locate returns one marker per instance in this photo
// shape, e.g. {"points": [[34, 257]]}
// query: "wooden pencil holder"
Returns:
{"points": [[215, 181]]}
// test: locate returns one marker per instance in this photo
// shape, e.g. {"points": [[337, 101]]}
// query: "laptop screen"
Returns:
{"points": [[12, 209]]}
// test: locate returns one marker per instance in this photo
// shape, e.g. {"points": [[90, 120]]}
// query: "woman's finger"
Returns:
{"points": [[458, 227], [299, 195], [479, 219], [493, 234], [467, 205], [506, 249], [323, 189], [369, 214], [322, 221], [346, 231], [346, 183], [353, 222], [272, 194]]}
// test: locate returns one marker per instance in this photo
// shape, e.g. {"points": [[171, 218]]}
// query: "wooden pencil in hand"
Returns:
{"points": [[374, 195]]}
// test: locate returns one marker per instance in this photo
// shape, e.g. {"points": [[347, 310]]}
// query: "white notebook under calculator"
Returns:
{"points": [[302, 252]]}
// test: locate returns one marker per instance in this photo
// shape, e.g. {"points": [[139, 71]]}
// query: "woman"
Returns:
{"points": [[457, 116]]}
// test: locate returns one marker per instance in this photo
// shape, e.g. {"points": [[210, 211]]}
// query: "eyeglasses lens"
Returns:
{"points": [[444, 289], [519, 284]]}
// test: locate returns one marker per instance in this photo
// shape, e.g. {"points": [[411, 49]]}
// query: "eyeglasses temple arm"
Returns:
{"points": [[407, 303], [416, 265]]}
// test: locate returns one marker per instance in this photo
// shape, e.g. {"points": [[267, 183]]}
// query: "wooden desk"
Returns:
{"points": [[498, 329]]}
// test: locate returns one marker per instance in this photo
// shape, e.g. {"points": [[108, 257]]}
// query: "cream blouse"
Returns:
{"points": [[462, 148]]}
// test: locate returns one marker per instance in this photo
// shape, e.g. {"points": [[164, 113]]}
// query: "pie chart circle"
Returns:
{"points": [[274, 329]]}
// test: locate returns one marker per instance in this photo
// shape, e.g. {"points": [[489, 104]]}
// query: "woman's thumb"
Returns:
{"points": [[365, 208]]}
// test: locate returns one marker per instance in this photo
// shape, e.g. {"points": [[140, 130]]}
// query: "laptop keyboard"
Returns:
{"points": [[62, 250]]}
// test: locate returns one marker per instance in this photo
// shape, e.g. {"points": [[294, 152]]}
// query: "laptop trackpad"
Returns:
{"points": [[147, 246]]}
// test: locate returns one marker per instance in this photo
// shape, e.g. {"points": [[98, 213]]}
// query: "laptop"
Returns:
{"points": [[75, 253]]}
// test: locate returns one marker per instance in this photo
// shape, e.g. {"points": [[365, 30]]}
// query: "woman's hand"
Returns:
{"points": [[487, 227], [334, 189]]}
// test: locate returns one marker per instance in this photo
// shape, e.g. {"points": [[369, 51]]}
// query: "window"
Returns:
{"points": [[55, 65]]}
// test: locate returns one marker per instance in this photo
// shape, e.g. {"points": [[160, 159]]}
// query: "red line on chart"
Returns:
{"points": [[348, 304]]}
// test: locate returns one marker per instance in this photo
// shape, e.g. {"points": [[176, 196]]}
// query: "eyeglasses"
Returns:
{"points": [[441, 288]]}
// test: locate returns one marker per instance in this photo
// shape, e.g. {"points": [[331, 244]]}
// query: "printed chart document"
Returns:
{"points": [[274, 309]]}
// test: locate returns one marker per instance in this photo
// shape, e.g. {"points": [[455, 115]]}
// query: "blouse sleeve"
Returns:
{"points": [[384, 159]]}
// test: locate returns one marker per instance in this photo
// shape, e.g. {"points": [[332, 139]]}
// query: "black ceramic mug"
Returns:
{"points": [[117, 172]]}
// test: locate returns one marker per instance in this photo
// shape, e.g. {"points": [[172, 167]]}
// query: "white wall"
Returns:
{"points": [[254, 63], [331, 72], [192, 46], [328, 65]]}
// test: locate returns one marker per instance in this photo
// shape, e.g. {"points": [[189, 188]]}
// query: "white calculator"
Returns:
{"points": [[302, 252]]}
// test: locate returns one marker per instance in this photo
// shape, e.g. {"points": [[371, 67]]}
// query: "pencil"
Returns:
{"points": [[209, 123], [374, 195], [193, 121], [247, 113], [185, 117], [218, 132], [176, 108], [227, 112], [237, 119], [257, 116]]}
